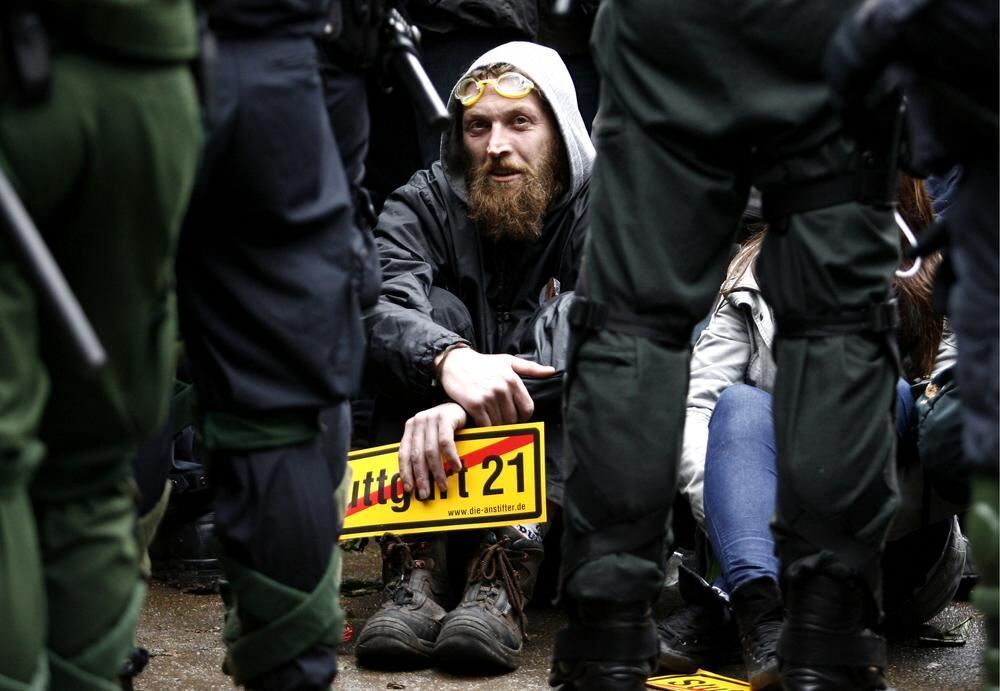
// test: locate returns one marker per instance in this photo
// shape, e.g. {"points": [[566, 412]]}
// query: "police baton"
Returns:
{"points": [[46, 278], [402, 45]]}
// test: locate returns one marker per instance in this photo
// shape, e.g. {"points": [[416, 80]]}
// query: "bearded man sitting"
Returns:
{"points": [[479, 256]]}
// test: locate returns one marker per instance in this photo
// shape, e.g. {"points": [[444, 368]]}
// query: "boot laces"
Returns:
{"points": [[762, 642], [493, 570], [689, 624], [399, 553]]}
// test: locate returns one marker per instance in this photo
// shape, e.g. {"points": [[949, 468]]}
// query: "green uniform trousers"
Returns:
{"points": [[105, 167], [699, 101]]}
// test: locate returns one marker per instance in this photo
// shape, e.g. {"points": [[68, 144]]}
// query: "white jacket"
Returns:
{"points": [[736, 348]]}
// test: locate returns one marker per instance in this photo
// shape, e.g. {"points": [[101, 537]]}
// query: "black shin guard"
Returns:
{"points": [[607, 647], [826, 642]]}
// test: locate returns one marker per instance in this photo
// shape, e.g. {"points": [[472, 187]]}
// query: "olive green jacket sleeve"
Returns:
{"points": [[144, 29]]}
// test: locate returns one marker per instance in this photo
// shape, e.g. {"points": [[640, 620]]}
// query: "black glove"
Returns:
{"points": [[862, 47]]}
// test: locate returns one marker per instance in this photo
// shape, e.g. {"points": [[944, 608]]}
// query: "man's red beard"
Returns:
{"points": [[513, 210]]}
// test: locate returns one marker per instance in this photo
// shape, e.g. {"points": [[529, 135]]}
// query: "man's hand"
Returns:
{"points": [[428, 441], [489, 387]]}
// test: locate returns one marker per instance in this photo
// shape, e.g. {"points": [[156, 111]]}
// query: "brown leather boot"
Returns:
{"points": [[402, 633], [487, 628]]}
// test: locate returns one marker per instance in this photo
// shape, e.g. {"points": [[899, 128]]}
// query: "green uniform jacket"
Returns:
{"points": [[145, 29]]}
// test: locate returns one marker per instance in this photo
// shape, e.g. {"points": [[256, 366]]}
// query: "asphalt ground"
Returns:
{"points": [[182, 629]]}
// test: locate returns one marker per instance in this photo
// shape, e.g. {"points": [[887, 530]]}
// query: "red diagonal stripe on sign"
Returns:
{"points": [[473, 458]]}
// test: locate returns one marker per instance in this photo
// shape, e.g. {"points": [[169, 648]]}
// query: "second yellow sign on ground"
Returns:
{"points": [[699, 681]]}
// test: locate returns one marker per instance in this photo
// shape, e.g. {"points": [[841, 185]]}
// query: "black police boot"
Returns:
{"points": [[757, 605], [402, 633], [699, 632], [487, 628], [135, 662], [184, 551], [608, 646], [825, 643], [187, 554]]}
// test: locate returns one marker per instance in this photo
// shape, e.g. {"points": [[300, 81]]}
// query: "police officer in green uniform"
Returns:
{"points": [[700, 101], [943, 54], [104, 164]]}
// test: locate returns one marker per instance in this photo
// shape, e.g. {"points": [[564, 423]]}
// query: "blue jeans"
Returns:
{"points": [[741, 481]]}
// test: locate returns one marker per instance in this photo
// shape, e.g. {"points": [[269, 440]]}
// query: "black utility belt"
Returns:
{"points": [[864, 187]]}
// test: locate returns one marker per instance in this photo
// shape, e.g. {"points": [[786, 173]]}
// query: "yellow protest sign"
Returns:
{"points": [[502, 483], [700, 680]]}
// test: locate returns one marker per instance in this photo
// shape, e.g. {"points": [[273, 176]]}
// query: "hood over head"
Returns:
{"points": [[547, 70]]}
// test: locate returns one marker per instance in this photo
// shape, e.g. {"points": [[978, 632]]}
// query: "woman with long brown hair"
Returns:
{"points": [[728, 463]]}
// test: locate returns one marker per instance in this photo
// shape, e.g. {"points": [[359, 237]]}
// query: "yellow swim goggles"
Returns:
{"points": [[508, 85]]}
